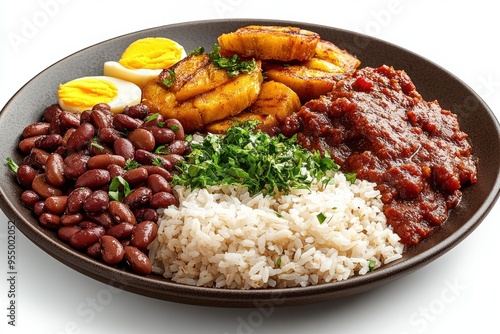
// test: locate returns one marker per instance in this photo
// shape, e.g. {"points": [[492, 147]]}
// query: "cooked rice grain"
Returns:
{"points": [[223, 237]]}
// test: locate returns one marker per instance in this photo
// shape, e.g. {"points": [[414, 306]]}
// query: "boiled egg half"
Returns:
{"points": [[144, 59], [83, 93]]}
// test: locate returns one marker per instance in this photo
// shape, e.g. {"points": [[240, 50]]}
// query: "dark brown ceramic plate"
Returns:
{"points": [[432, 81]]}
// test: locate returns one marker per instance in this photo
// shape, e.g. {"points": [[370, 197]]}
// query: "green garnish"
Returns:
{"points": [[157, 162], [278, 262], [162, 149], [371, 265], [351, 177], [175, 127], [321, 217], [131, 164], [151, 118], [233, 65], [170, 78], [198, 51], [95, 144], [118, 188], [250, 158], [12, 165]]}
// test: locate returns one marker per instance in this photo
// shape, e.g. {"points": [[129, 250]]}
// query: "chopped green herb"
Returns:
{"points": [[175, 127], [371, 265], [321, 217], [278, 262], [95, 144], [351, 177], [250, 158], [152, 117], [118, 188], [131, 164], [198, 51], [162, 149], [157, 162], [170, 79], [12, 165], [233, 64]]}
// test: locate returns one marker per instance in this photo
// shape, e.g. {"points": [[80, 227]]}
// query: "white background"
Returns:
{"points": [[453, 294]]}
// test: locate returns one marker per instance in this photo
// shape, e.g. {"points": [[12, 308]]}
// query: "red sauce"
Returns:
{"points": [[376, 124]]}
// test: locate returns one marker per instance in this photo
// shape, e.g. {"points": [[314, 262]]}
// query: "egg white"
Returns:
{"points": [[128, 94]]}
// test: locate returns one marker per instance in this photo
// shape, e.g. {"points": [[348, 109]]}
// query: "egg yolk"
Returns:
{"points": [[151, 53], [85, 93]]}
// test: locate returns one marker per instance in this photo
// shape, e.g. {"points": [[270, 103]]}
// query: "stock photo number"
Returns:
{"points": [[11, 273]]}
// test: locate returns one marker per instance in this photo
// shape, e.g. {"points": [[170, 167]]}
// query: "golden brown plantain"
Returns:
{"points": [[275, 102], [203, 100], [316, 76], [270, 42]]}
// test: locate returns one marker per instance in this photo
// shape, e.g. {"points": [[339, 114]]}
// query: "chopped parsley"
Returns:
{"points": [[170, 78], [118, 188], [371, 265], [233, 64], [253, 159], [13, 166]]}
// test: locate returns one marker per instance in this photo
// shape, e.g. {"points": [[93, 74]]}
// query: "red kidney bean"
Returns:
{"points": [[66, 136], [142, 139], [112, 250], [29, 198], [144, 214], [121, 213], [65, 232], [87, 224], [85, 116], [49, 142], [136, 111], [147, 158], [124, 147], [55, 125], [94, 179], [56, 204], [101, 119], [115, 170], [108, 135], [86, 237], [102, 218], [179, 147], [43, 189], [97, 148], [173, 159], [49, 221], [27, 144], [38, 158], [76, 198], [121, 231], [71, 219], [152, 169], [36, 129], [81, 137], [69, 120], [176, 126], [54, 170], [163, 199], [138, 197], [102, 161], [104, 107], [25, 175], [96, 202], [75, 165], [39, 208], [95, 251], [51, 112], [138, 261], [162, 136], [144, 233], [123, 122], [136, 176], [158, 183]]}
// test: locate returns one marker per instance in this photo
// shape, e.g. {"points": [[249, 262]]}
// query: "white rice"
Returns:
{"points": [[225, 238]]}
